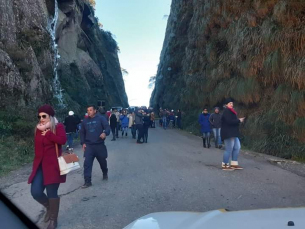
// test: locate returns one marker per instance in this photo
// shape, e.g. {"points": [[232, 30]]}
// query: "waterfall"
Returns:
{"points": [[56, 83]]}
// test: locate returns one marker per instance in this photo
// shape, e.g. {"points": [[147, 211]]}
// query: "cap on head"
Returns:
{"points": [[47, 109], [228, 100], [71, 113]]}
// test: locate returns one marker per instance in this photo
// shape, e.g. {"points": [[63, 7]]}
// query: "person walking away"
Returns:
{"points": [[146, 124], [117, 114], [164, 119], [45, 174], [131, 125], [160, 117], [71, 123], [205, 127], [215, 120], [113, 125], [152, 120], [139, 124], [230, 135], [179, 116], [93, 134], [172, 118], [124, 122]]}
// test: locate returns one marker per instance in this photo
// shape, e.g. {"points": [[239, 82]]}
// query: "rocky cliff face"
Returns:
{"points": [[252, 51], [88, 67]]}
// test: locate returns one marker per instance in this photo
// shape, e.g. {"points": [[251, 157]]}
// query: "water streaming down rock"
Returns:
{"points": [[56, 83]]}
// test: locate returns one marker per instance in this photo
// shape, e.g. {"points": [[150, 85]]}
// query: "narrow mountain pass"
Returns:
{"points": [[172, 172]]}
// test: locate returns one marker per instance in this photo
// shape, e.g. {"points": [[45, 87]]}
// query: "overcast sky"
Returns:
{"points": [[139, 29]]}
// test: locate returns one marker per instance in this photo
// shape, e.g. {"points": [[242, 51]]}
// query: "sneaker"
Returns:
{"points": [[227, 167], [113, 139], [237, 167], [139, 142], [87, 185], [105, 176]]}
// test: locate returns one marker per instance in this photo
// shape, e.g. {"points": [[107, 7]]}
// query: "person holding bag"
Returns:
{"points": [[46, 173]]}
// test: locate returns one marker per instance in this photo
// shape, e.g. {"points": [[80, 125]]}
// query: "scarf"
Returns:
{"points": [[43, 127], [232, 109]]}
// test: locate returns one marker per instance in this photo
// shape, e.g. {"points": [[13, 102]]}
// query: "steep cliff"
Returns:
{"points": [[88, 67], [250, 50], [86, 63]]}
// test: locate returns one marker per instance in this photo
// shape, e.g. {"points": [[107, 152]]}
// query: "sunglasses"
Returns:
{"points": [[42, 116]]}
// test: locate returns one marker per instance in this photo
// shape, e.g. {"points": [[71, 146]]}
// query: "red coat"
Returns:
{"points": [[45, 154]]}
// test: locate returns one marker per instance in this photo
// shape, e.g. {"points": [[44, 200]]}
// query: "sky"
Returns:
{"points": [[139, 28]]}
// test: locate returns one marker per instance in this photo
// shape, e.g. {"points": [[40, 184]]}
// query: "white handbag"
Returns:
{"points": [[68, 162]]}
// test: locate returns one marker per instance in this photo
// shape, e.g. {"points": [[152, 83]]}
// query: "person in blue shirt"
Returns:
{"points": [[205, 127], [93, 133], [124, 122]]}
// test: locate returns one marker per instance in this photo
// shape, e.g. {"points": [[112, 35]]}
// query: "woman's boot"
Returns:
{"points": [[45, 202], [54, 208], [209, 142], [204, 145]]}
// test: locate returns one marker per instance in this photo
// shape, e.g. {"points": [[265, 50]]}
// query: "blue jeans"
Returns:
{"points": [[37, 187], [70, 137], [216, 132], [232, 147], [206, 134], [98, 151], [164, 122]]}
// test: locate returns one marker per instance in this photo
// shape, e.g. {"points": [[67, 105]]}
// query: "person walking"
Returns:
{"points": [[164, 118], [146, 124], [131, 124], [124, 122], [117, 114], [205, 127], [113, 125], [230, 135], [71, 123], [215, 120], [152, 120], [49, 135], [139, 124], [179, 116], [93, 133]]}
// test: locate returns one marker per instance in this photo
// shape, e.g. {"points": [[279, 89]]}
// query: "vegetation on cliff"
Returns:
{"points": [[252, 51]]}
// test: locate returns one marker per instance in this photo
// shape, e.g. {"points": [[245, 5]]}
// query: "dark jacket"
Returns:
{"points": [[204, 123], [92, 128], [146, 120], [113, 121], [45, 155], [179, 115], [139, 118], [215, 120], [229, 125], [71, 123]]}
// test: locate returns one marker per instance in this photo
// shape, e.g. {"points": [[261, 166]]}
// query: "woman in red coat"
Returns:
{"points": [[46, 173]]}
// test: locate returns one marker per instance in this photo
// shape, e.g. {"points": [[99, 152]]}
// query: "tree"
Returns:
{"points": [[152, 81]]}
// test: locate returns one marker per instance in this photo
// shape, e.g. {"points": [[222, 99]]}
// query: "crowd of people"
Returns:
{"points": [[170, 118], [50, 136]]}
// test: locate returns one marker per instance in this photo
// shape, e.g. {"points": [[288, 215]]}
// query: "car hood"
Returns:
{"points": [[251, 219]]}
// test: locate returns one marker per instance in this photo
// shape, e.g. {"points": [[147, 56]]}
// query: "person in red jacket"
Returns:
{"points": [[45, 173]]}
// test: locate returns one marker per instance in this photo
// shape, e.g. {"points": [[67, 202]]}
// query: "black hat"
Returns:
{"points": [[229, 100]]}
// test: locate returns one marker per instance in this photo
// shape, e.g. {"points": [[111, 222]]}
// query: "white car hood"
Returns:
{"points": [[251, 219]]}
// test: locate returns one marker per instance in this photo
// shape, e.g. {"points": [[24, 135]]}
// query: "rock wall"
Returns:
{"points": [[89, 68], [250, 50]]}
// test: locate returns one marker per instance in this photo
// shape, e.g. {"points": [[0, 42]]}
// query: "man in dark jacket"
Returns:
{"points": [[71, 123], [139, 124], [113, 125], [215, 120], [93, 133], [146, 124]]}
